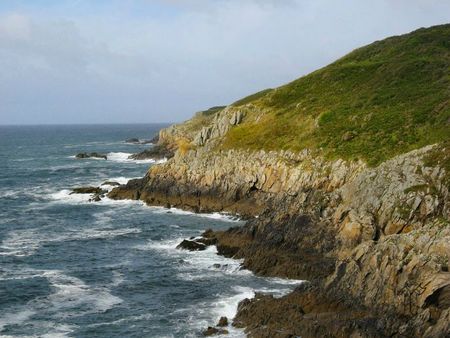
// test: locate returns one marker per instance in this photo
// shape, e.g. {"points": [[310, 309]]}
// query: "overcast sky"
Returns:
{"points": [[116, 61]]}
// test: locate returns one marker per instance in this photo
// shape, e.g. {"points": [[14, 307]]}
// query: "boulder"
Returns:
{"points": [[90, 155], [211, 331], [223, 321], [191, 245], [88, 190]]}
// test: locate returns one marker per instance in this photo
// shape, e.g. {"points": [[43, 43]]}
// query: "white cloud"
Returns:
{"points": [[134, 61]]}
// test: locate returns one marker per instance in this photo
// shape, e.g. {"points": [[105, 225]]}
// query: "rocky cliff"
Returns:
{"points": [[371, 237]]}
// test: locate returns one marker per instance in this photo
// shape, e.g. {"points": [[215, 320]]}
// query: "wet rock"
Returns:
{"points": [[191, 245], [212, 331], [90, 155], [88, 190], [223, 321], [96, 198], [207, 241]]}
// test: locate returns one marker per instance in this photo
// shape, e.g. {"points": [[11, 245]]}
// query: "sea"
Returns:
{"points": [[74, 268]]}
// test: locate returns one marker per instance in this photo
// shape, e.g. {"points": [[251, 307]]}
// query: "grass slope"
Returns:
{"points": [[378, 101]]}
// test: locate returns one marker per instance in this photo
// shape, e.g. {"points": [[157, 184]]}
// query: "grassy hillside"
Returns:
{"points": [[378, 101]]}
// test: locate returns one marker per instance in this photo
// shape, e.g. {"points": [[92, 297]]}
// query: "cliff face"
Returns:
{"points": [[377, 237], [374, 241]]}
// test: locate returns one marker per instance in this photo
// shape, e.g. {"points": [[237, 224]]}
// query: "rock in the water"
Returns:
{"points": [[90, 155], [132, 140], [223, 321], [191, 245], [96, 198], [88, 190], [211, 331], [135, 140]]}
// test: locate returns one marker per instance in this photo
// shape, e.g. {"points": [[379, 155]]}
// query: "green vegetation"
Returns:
{"points": [[440, 155], [252, 97], [377, 102]]}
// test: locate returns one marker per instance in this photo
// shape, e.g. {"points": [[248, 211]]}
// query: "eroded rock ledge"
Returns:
{"points": [[374, 242]]}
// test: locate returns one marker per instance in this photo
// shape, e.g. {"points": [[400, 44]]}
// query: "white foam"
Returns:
{"points": [[227, 306], [22, 243], [215, 215], [15, 318], [124, 158], [197, 264], [206, 314], [121, 179], [9, 193], [67, 196], [71, 293], [146, 316], [58, 330], [118, 278], [19, 243]]}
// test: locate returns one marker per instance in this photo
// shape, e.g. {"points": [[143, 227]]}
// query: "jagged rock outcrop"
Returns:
{"points": [[220, 125]]}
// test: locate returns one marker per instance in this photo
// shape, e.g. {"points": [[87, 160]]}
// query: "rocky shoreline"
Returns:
{"points": [[373, 242]]}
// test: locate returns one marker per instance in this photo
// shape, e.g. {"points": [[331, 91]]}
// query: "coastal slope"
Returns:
{"points": [[344, 177]]}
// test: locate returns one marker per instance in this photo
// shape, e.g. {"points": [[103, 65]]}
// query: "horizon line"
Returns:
{"points": [[81, 124]]}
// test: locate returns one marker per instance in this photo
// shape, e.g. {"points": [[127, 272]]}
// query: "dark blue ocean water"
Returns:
{"points": [[74, 268]]}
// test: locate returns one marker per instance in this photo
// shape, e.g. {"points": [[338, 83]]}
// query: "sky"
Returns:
{"points": [[132, 61]]}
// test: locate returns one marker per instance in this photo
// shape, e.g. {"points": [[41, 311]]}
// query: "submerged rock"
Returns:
{"points": [[90, 155]]}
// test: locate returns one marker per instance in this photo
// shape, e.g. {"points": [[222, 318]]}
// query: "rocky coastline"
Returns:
{"points": [[374, 243]]}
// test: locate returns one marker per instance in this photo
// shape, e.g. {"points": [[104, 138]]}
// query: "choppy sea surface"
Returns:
{"points": [[74, 268]]}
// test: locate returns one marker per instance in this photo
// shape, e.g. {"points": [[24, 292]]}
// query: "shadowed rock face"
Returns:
{"points": [[157, 152]]}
